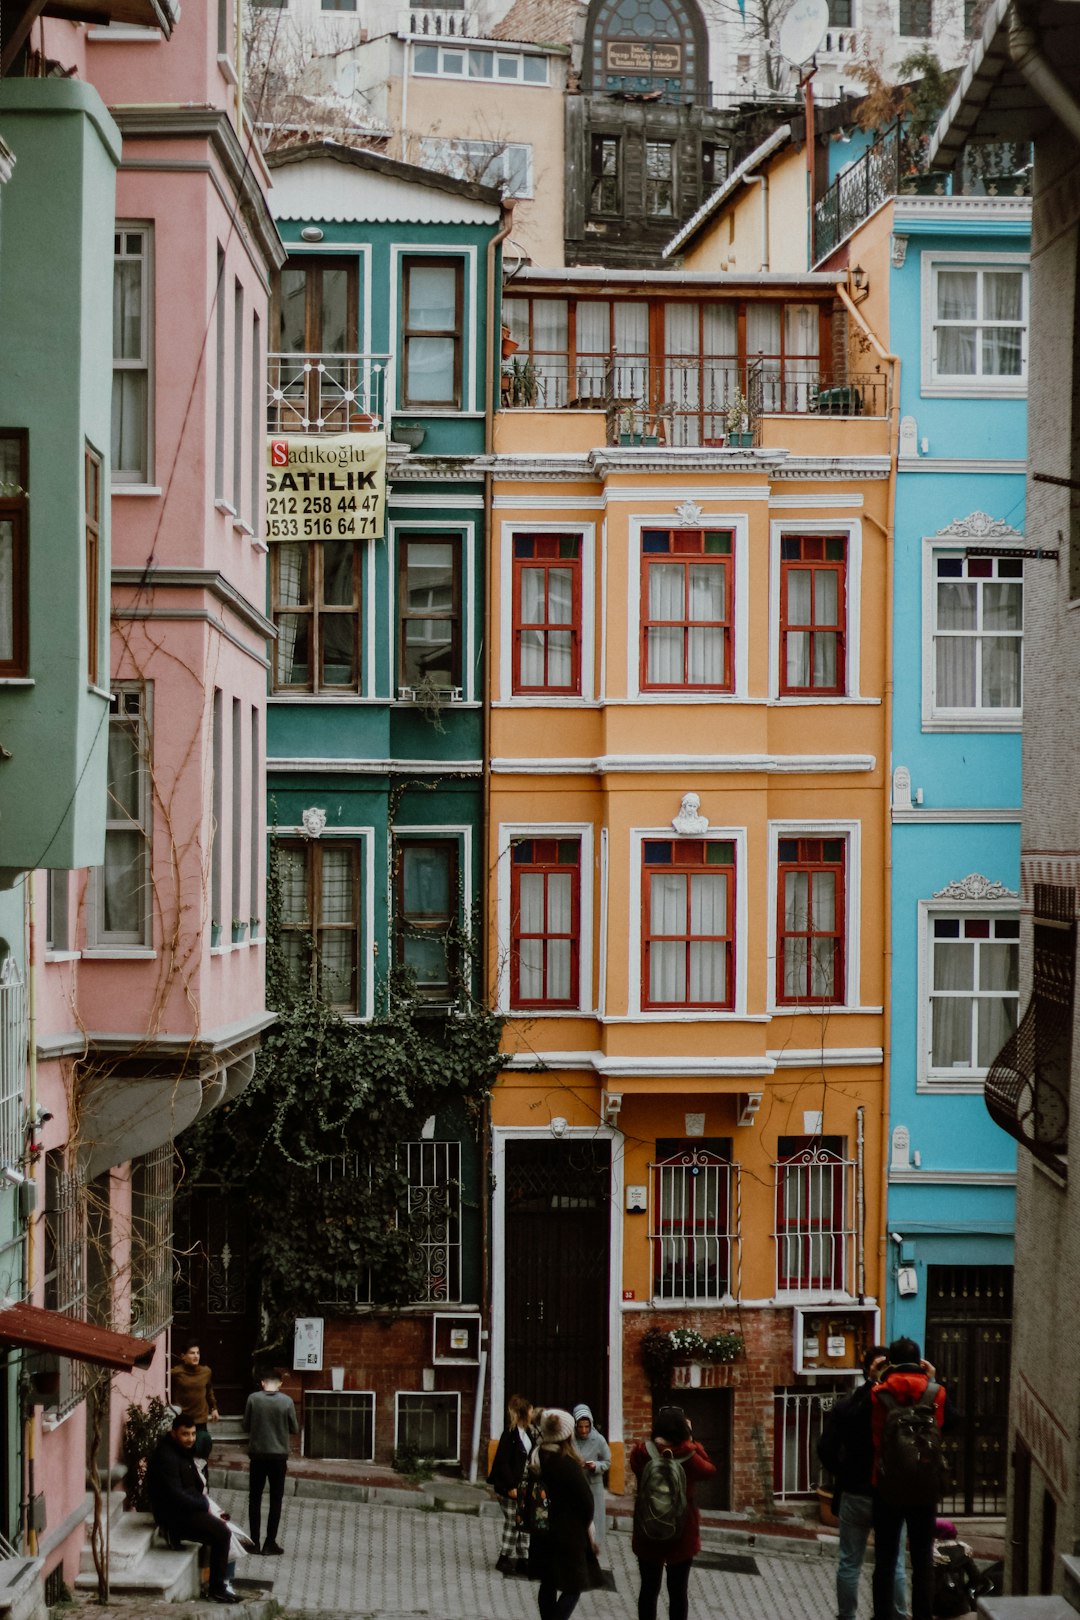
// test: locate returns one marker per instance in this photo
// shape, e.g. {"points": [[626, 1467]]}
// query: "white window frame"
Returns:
{"points": [[636, 942], [963, 386], [509, 831], [471, 402], [851, 832], [463, 534], [459, 834], [459, 46], [491, 163], [138, 941], [139, 478], [851, 530], [739, 524], [587, 662], [426, 1395], [942, 719], [949, 1082]]}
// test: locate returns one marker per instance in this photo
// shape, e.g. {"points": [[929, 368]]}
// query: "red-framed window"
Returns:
{"points": [[813, 584], [545, 922], [810, 924], [547, 613], [688, 910], [687, 596], [814, 1213]]}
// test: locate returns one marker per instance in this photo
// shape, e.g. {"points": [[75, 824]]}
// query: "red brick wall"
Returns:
{"points": [[766, 1364], [387, 1355]]}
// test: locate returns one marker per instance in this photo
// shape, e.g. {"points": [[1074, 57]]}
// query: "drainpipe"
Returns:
{"points": [[1024, 50], [888, 532], [485, 754], [762, 180], [30, 1430]]}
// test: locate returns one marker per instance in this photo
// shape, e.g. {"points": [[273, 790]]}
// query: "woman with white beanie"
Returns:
{"points": [[559, 1554]]}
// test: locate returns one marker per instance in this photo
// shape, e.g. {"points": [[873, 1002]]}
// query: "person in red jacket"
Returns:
{"points": [[671, 1435], [905, 1380]]}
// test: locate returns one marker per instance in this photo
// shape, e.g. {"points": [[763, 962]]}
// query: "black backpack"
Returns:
{"points": [[910, 1462], [954, 1582]]}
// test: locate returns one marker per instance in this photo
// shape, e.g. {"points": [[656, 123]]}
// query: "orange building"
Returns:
{"points": [[687, 813]]}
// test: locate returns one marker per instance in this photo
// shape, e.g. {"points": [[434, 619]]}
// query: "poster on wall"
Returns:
{"points": [[308, 1344], [326, 486]]}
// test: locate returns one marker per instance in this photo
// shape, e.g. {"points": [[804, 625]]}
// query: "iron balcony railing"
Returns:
{"points": [[798, 1419], [816, 1236], [857, 193], [695, 1235], [326, 393], [709, 400]]}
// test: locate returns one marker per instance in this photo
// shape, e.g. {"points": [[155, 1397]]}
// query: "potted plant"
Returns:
{"points": [[215, 934], [737, 421], [509, 344], [410, 433], [253, 927], [524, 385], [630, 425], [239, 930]]}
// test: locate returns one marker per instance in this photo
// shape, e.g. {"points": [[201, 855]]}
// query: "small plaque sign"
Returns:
{"points": [[644, 56]]}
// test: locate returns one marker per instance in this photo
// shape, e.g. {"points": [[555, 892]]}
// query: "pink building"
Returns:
{"points": [[148, 969]]}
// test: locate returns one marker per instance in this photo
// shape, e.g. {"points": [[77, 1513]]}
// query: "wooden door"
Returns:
{"points": [[557, 1284], [215, 1296]]}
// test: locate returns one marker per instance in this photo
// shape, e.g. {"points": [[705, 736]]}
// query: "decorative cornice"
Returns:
{"points": [[979, 526], [150, 123], [976, 887], [227, 1042], [701, 764], [193, 579]]}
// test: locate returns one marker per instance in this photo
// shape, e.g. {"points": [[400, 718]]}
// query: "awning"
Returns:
{"points": [[37, 1329]]}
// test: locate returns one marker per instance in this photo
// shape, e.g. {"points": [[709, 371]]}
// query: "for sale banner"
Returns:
{"points": [[326, 487]]}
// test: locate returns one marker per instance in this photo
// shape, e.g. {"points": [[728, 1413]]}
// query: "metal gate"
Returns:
{"points": [[558, 1198], [215, 1290], [968, 1336]]}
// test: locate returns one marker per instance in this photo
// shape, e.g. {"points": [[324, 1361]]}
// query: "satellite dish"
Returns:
{"points": [[803, 30]]}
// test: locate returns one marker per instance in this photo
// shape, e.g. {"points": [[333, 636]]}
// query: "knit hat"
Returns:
{"points": [[945, 1530], [556, 1425]]}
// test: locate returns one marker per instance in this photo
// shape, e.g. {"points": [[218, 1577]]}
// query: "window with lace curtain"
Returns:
{"points": [[545, 922], [687, 610], [315, 601], [688, 921], [812, 614], [547, 613], [131, 390], [320, 916], [120, 914], [972, 985], [975, 320], [978, 637], [810, 923]]}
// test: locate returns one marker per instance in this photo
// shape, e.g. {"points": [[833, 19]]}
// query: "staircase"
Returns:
{"points": [[21, 1594], [1038, 1608], [139, 1564]]}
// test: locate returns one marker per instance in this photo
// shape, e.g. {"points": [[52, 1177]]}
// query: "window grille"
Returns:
{"points": [[694, 1204], [151, 1241], [429, 1425], [65, 1264], [798, 1418], [815, 1210], [434, 1170], [13, 1039], [340, 1425]]}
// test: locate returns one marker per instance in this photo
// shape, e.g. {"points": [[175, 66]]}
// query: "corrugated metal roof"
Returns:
{"points": [[38, 1329]]}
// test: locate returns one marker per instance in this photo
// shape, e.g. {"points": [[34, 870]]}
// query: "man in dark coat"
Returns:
{"points": [[672, 1435], [181, 1506], [846, 1449], [905, 1382]]}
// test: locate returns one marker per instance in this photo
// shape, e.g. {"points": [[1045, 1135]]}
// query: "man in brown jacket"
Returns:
{"points": [[193, 1393]]}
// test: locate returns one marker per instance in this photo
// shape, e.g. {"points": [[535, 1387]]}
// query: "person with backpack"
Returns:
{"points": [[907, 1419], [667, 1524], [846, 1448]]}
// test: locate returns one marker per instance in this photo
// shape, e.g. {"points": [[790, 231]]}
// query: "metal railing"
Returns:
{"points": [[816, 1248], [857, 193], [326, 393], [699, 401], [151, 1241], [13, 1055], [437, 21], [798, 1418], [695, 1237]]}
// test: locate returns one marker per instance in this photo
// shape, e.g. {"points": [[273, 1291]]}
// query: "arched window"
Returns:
{"points": [[642, 46]]}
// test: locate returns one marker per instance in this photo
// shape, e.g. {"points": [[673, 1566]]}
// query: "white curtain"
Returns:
{"points": [[682, 371], [337, 944], [531, 642], [559, 922], [708, 958], [705, 650], [531, 922], [667, 916], [664, 654], [720, 372], [550, 350], [957, 300], [560, 610], [123, 877], [801, 335], [293, 661], [953, 1003], [593, 347], [811, 654], [1003, 300], [763, 349]]}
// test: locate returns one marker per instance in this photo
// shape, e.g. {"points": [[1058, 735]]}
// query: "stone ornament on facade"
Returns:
{"points": [[981, 526], [314, 821], [898, 251], [976, 887], [689, 821], [689, 514], [901, 788]]}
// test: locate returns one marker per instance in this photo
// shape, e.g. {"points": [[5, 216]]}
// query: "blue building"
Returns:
{"points": [[954, 271]]}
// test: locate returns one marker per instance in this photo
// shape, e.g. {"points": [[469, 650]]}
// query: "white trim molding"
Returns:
{"points": [[851, 832], [964, 387], [636, 941], [587, 566], [851, 529], [508, 832], [700, 764], [974, 895]]}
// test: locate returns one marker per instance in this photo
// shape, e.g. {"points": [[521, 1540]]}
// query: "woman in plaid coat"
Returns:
{"points": [[507, 1470]]}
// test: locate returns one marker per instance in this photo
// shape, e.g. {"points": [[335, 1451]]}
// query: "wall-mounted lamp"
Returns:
{"points": [[311, 233], [558, 1126], [859, 278]]}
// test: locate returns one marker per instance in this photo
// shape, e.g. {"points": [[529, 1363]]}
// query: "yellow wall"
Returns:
{"points": [[731, 239]]}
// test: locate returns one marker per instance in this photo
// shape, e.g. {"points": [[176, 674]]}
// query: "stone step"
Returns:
{"points": [[160, 1576], [130, 1538], [22, 1596]]}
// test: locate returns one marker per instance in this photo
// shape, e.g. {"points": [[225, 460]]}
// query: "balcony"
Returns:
{"points": [[326, 393], [697, 402], [435, 22]]}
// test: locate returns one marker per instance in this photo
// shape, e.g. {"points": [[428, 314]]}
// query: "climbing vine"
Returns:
{"points": [[313, 1142]]}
